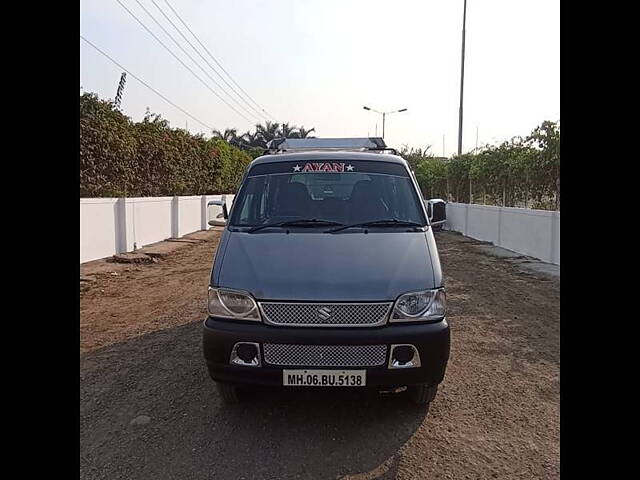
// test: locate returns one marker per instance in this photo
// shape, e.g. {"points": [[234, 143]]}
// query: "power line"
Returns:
{"points": [[184, 64], [149, 86], [260, 114], [193, 60], [217, 63]]}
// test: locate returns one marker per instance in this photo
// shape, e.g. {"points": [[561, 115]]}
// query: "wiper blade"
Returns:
{"points": [[302, 222], [392, 222]]}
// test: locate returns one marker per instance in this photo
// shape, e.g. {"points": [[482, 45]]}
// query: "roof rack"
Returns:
{"points": [[364, 144]]}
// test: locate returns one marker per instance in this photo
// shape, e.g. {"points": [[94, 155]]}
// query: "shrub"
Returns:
{"points": [[119, 157], [517, 173]]}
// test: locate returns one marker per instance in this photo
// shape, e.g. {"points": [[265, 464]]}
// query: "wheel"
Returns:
{"points": [[229, 393], [422, 394]]}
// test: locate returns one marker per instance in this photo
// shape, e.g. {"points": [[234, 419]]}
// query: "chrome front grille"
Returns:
{"points": [[284, 354], [325, 314]]}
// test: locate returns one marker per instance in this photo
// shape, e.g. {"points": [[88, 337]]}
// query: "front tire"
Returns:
{"points": [[422, 394], [229, 393]]}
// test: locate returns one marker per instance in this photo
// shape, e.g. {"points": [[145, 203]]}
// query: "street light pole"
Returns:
{"points": [[384, 114], [464, 21]]}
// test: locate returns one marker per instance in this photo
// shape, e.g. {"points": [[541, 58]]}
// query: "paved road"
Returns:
{"points": [[496, 415]]}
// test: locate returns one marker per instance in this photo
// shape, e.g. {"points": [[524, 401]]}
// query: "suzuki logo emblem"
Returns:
{"points": [[324, 313]]}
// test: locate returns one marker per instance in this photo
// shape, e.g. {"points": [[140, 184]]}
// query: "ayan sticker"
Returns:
{"points": [[323, 167]]}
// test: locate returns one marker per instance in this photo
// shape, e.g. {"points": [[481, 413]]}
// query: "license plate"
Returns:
{"points": [[324, 378]]}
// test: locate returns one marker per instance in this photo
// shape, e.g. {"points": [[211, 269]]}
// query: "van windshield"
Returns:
{"points": [[343, 197]]}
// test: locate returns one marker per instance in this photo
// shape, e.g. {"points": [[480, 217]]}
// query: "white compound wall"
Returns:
{"points": [[115, 225], [534, 233]]}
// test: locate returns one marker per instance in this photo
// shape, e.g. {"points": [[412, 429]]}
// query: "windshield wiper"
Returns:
{"points": [[391, 222], [302, 222]]}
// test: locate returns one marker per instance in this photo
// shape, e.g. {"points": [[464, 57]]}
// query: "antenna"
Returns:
{"points": [[123, 80]]}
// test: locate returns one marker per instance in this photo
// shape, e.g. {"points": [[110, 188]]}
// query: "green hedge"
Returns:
{"points": [[119, 157], [522, 172]]}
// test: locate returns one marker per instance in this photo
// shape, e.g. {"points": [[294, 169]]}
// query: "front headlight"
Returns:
{"points": [[420, 306], [232, 304]]}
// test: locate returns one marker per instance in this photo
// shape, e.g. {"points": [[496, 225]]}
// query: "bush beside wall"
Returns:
{"points": [[119, 157]]}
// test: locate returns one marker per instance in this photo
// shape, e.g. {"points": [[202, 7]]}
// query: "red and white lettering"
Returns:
{"points": [[325, 167]]}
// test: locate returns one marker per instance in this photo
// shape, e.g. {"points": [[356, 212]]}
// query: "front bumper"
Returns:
{"points": [[430, 339]]}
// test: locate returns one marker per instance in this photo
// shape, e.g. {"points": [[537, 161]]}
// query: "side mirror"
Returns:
{"points": [[219, 222], [437, 210]]}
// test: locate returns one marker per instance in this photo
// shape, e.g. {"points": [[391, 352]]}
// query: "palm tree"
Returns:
{"points": [[304, 133], [263, 134], [230, 135], [287, 131], [249, 139], [268, 131]]}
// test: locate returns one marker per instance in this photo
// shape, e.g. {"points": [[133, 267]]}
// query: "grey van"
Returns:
{"points": [[327, 275]]}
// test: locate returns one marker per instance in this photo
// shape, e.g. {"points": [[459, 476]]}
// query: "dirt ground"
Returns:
{"points": [[122, 301], [149, 410]]}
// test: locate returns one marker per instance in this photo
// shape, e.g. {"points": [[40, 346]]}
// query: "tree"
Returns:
{"points": [[414, 156], [545, 139], [251, 140], [518, 172], [288, 131], [107, 149], [304, 133], [230, 135], [431, 173], [267, 132], [119, 157]]}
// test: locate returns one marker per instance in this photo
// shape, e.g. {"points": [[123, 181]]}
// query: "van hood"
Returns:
{"points": [[327, 267]]}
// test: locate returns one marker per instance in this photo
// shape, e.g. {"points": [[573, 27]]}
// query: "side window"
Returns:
{"points": [[268, 199], [253, 201], [245, 213], [397, 198]]}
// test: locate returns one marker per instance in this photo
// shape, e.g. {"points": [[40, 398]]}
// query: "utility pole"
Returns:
{"points": [[464, 21], [476, 139], [123, 80], [443, 146], [383, 115]]}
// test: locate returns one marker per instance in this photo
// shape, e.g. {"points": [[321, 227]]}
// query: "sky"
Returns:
{"points": [[316, 63]]}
